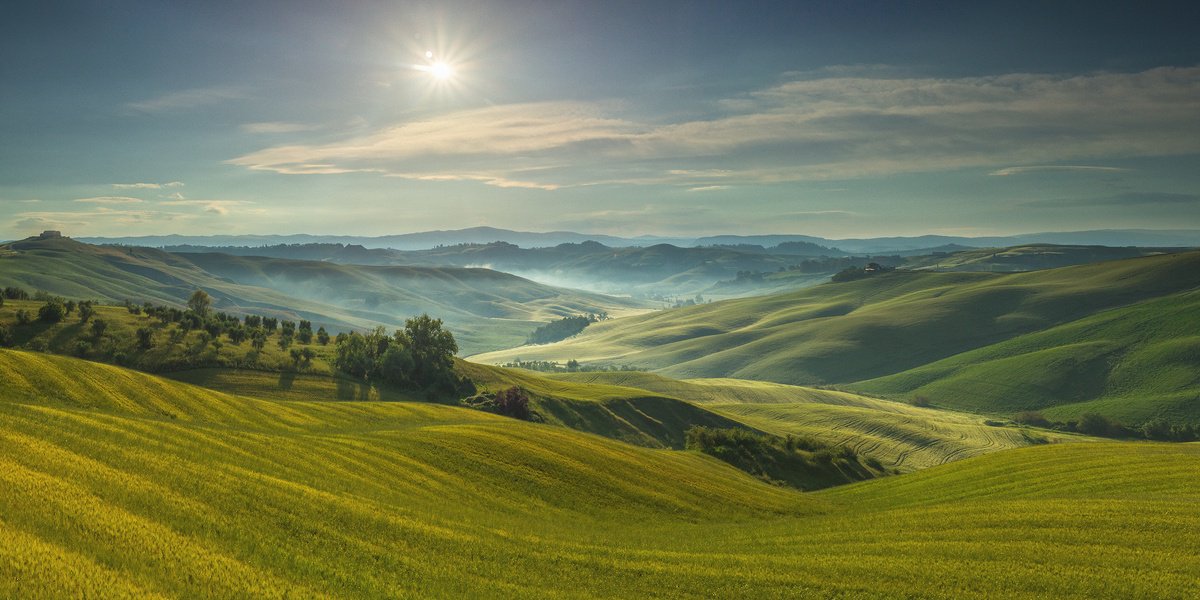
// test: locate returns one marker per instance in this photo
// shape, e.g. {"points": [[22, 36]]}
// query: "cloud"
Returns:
{"points": [[1055, 168], [216, 207], [276, 127], [147, 186], [30, 201], [708, 188], [187, 99], [834, 125], [110, 200], [1127, 199]]}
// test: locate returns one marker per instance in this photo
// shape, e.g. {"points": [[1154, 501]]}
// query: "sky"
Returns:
{"points": [[835, 119]]}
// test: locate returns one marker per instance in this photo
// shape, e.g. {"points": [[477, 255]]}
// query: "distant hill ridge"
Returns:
{"points": [[527, 239]]}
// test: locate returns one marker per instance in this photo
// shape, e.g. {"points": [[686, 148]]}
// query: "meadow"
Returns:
{"points": [[119, 483]]}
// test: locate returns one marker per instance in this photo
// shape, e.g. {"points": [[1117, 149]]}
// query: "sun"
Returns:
{"points": [[441, 70]]}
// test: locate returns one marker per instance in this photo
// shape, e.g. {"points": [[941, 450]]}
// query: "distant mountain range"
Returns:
{"points": [[529, 239]]}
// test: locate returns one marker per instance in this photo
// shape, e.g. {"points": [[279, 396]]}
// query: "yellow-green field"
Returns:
{"points": [[119, 484]]}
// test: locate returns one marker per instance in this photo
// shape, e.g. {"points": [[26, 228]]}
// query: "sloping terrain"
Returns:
{"points": [[887, 324], [900, 436], [486, 308], [1133, 363], [120, 484]]}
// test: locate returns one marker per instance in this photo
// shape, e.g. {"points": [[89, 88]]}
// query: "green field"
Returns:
{"points": [[117, 483], [1115, 338]]}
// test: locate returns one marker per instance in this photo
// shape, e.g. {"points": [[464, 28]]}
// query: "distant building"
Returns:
{"points": [[50, 234]]}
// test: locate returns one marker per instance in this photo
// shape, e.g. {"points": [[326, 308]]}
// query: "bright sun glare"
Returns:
{"points": [[441, 70]]}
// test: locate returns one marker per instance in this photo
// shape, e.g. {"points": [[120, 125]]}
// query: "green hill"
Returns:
{"points": [[115, 483], [1133, 363], [487, 309], [896, 322]]}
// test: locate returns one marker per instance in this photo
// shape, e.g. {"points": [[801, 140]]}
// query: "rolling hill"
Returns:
{"points": [[487, 309], [896, 322], [117, 483]]}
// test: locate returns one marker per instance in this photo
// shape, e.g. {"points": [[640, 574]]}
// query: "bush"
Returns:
{"points": [[23, 317], [5, 336], [513, 402], [1032, 418], [1097, 424]]}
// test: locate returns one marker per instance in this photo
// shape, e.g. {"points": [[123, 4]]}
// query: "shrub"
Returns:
{"points": [[1097, 424], [513, 402], [1033, 418]]}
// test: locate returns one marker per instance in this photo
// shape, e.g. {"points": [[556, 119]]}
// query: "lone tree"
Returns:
{"points": [[200, 302]]}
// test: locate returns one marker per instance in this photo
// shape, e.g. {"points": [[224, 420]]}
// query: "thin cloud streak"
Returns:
{"points": [[147, 186], [187, 99], [110, 200], [1007, 171]]}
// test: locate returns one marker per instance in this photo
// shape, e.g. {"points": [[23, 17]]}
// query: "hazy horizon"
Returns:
{"points": [[674, 119]]}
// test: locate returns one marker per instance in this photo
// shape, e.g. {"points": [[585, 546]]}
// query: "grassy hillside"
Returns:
{"points": [[114, 483], [487, 309], [882, 325], [1134, 363], [901, 436]]}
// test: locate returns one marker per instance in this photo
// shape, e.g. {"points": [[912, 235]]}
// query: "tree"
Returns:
{"points": [[258, 339], [200, 302], [98, 328], [145, 337], [322, 336], [305, 333], [52, 311], [86, 311], [433, 348]]}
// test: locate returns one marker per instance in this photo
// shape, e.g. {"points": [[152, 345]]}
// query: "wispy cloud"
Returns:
{"points": [[187, 99], [708, 188], [109, 200], [147, 186], [276, 127], [1007, 171], [1130, 199], [216, 207], [836, 126]]}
